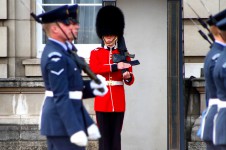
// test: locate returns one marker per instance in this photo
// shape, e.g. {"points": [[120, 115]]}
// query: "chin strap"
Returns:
{"points": [[62, 31], [112, 43]]}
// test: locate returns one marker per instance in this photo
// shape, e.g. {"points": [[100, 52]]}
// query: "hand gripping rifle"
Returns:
{"points": [[123, 53], [122, 58]]}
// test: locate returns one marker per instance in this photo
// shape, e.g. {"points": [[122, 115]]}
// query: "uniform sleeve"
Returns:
{"points": [[132, 79], [224, 74], [87, 91], [96, 65], [57, 74]]}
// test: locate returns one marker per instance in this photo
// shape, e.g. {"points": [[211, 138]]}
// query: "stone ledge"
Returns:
{"points": [[32, 67], [31, 62], [34, 82], [196, 146], [23, 145], [21, 82], [36, 61], [36, 145], [19, 119], [21, 85], [198, 82], [30, 120]]}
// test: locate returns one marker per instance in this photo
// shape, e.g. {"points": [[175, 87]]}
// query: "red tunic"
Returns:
{"points": [[100, 63]]}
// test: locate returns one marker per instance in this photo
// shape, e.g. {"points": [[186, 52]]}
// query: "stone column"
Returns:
{"points": [[199, 84], [175, 77], [195, 142]]}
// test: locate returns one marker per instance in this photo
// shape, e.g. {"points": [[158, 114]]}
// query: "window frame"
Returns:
{"points": [[83, 49]]}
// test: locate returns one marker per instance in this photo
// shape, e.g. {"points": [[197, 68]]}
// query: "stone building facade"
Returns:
{"points": [[21, 85]]}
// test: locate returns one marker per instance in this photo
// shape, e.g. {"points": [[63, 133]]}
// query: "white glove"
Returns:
{"points": [[93, 132], [79, 138], [95, 85], [96, 92], [102, 85]]}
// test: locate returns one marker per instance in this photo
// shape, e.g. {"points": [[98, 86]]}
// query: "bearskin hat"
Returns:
{"points": [[110, 21]]}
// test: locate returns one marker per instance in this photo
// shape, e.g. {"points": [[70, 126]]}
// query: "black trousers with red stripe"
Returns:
{"points": [[110, 126]]}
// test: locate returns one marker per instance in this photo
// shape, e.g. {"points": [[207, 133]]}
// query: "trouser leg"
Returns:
{"points": [[103, 122], [110, 126], [116, 130]]}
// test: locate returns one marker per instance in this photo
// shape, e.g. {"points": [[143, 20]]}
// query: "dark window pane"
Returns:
{"points": [[87, 19], [56, 1], [87, 1]]}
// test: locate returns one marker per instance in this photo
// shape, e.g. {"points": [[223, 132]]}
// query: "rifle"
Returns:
{"points": [[122, 58], [84, 66], [123, 53], [210, 15], [204, 25], [201, 32]]}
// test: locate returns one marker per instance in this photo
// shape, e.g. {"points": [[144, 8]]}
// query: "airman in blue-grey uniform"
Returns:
{"points": [[219, 74], [211, 91], [64, 120]]}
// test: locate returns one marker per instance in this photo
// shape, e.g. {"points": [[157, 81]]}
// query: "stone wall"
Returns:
{"points": [[19, 129], [26, 137], [19, 116], [21, 137], [194, 105]]}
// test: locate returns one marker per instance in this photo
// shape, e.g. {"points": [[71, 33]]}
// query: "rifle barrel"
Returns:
{"points": [[86, 69]]}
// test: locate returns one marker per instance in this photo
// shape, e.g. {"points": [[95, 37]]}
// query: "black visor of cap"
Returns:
{"points": [[222, 24], [216, 18]]}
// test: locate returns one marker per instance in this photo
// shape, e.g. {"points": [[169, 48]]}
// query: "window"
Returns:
{"points": [[87, 38]]}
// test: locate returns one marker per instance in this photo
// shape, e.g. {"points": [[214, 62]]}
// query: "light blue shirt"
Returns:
{"points": [[62, 44]]}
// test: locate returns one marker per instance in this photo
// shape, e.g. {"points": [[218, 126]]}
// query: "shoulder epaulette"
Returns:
{"points": [[224, 65], [215, 56], [54, 54], [96, 49]]}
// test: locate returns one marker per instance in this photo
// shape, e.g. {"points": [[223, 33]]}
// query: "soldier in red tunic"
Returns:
{"points": [[110, 108]]}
